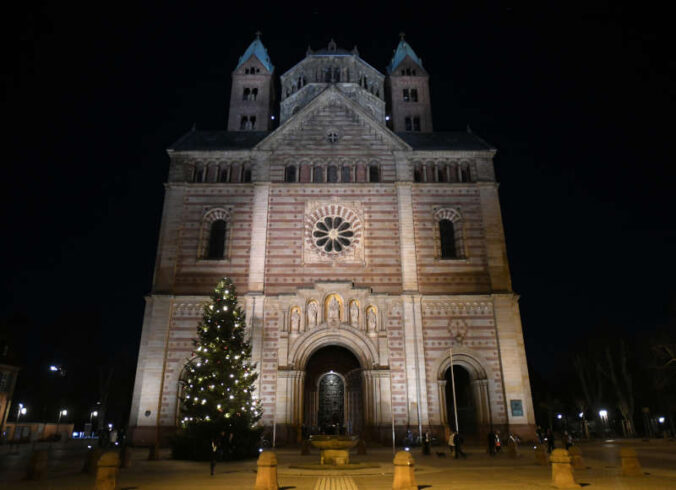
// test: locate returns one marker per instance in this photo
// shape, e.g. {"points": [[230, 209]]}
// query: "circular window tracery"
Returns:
{"points": [[332, 234]]}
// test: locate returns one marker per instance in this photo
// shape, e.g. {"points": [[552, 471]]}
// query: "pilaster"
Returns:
{"points": [[496, 251], [409, 267], [151, 360], [515, 377], [258, 237]]}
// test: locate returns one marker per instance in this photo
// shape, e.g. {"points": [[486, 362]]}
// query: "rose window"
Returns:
{"points": [[332, 234]]}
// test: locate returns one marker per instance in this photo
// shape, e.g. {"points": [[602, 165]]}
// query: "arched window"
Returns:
{"points": [[223, 174], [417, 174], [441, 173], [290, 173], [254, 93], [247, 175], [199, 175], [345, 174], [450, 244], [318, 175], [216, 248], [252, 122], [408, 125], [447, 236], [243, 123], [332, 174], [464, 173], [374, 173], [414, 95], [245, 95], [336, 74], [416, 124]]}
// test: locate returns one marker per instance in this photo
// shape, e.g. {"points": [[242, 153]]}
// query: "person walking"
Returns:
{"points": [[458, 440], [491, 443], [427, 442], [451, 443], [550, 440]]}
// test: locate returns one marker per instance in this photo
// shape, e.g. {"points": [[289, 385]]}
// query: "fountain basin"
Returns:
{"points": [[335, 450]]}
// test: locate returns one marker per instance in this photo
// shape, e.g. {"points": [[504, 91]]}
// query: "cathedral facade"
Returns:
{"points": [[367, 250]]}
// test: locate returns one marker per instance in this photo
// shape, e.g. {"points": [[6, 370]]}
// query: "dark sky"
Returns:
{"points": [[578, 99]]}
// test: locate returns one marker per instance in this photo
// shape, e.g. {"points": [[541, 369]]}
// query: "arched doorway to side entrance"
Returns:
{"points": [[333, 400], [464, 401]]}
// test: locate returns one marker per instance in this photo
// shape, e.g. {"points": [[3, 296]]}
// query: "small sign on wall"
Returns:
{"points": [[517, 408]]}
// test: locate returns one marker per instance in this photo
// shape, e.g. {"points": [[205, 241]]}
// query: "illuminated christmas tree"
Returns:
{"points": [[218, 404]]}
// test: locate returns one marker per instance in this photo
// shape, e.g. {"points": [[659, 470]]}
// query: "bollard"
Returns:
{"points": [[541, 456], [37, 467], [154, 453], [630, 464], [576, 457], [404, 472], [562, 471], [107, 469], [266, 476], [91, 459], [125, 457]]}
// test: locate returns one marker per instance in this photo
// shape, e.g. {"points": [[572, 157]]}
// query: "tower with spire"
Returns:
{"points": [[252, 96], [408, 87]]}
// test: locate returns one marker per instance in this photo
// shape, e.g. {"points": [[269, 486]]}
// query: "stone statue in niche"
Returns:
{"points": [[312, 315], [354, 314], [334, 311], [295, 321], [371, 320]]}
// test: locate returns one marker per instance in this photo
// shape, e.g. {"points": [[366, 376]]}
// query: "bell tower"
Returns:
{"points": [[409, 91], [252, 97]]}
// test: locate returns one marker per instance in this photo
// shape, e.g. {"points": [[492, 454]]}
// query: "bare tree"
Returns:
{"points": [[623, 387]]}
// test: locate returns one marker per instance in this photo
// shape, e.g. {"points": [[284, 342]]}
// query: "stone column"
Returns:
{"points": [[443, 416]]}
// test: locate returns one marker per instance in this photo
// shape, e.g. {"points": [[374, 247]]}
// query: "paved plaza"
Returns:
{"points": [[479, 471]]}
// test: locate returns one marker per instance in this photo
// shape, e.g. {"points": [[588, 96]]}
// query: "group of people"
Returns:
{"points": [[547, 437], [494, 442], [455, 442]]}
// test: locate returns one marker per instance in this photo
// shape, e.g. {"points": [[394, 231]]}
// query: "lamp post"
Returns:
{"points": [[62, 413], [603, 415], [455, 405], [93, 414]]}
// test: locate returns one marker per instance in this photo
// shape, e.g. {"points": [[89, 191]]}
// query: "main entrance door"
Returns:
{"points": [[333, 392]]}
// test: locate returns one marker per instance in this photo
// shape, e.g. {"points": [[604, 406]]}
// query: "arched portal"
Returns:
{"points": [[333, 392], [472, 393], [464, 400]]}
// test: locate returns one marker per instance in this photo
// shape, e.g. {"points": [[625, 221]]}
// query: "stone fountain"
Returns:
{"points": [[335, 450]]}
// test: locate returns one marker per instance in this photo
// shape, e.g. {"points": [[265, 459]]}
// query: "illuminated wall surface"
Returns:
{"points": [[352, 225]]}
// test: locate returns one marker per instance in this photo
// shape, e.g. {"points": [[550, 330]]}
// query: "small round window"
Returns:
{"points": [[332, 234]]}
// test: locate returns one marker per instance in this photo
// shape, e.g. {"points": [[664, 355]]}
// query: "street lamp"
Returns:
{"points": [[603, 414], [660, 420], [22, 411], [559, 416], [57, 369]]}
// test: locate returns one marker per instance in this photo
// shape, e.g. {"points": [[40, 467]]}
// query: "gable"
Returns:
{"points": [[331, 111]]}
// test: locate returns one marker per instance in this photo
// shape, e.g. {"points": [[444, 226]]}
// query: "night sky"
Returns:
{"points": [[579, 101]]}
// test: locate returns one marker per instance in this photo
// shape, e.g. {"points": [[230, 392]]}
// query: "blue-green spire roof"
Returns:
{"points": [[256, 48], [403, 50]]}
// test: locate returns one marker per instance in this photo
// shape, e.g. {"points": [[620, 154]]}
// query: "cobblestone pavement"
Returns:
{"points": [[479, 471]]}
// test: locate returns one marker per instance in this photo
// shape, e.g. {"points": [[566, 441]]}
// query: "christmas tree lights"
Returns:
{"points": [[228, 416]]}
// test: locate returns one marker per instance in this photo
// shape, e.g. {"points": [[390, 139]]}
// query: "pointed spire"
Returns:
{"points": [[403, 50], [257, 49]]}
